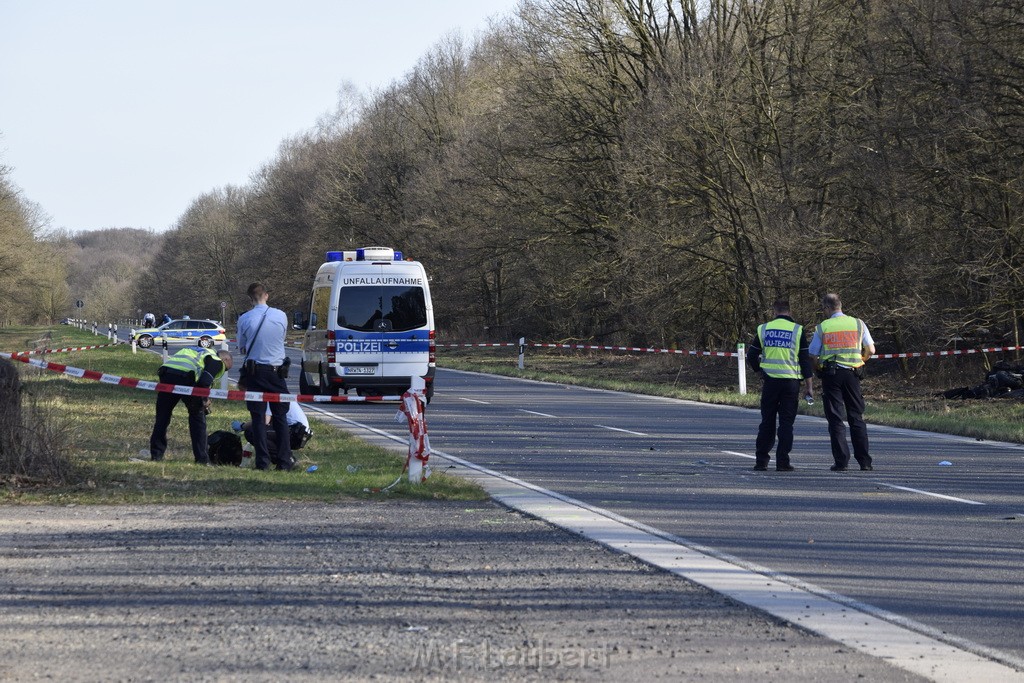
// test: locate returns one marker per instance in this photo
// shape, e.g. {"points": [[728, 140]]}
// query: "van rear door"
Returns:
{"points": [[358, 337], [383, 334], [405, 329]]}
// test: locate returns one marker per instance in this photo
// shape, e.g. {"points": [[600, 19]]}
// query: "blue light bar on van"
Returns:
{"points": [[366, 254], [377, 254]]}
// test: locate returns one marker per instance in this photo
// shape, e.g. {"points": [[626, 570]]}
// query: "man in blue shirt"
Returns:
{"points": [[261, 333]]}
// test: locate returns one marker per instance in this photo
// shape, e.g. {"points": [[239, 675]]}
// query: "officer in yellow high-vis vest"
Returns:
{"points": [[839, 348], [779, 351], [192, 367]]}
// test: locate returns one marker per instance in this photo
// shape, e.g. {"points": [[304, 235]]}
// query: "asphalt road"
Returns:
{"points": [[939, 544]]}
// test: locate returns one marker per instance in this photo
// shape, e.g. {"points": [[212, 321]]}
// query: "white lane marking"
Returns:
{"points": [[929, 493], [624, 431], [903, 642], [473, 400], [534, 412], [374, 430], [892, 486]]}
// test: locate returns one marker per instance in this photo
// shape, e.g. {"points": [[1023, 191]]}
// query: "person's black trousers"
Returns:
{"points": [[165, 403], [271, 441], [779, 398], [841, 391], [265, 378]]}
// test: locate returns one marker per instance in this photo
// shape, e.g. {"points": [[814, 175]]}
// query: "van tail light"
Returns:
{"points": [[331, 347], [431, 350]]}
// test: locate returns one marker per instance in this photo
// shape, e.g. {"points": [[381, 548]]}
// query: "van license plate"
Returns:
{"points": [[360, 370]]}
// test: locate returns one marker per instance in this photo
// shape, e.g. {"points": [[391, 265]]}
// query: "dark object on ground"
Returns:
{"points": [[225, 448], [299, 435], [1002, 381]]}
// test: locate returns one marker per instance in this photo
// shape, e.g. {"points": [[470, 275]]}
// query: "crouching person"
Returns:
{"points": [[298, 429], [191, 367]]}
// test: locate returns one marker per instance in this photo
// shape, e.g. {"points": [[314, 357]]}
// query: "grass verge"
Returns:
{"points": [[102, 427]]}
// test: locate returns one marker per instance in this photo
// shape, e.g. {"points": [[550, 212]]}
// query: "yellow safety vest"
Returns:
{"points": [[192, 360], [780, 348], [842, 340]]}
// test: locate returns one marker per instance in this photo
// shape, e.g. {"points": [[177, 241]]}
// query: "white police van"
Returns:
{"points": [[370, 327]]}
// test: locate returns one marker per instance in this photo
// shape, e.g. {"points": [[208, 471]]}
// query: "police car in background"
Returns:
{"points": [[203, 333]]}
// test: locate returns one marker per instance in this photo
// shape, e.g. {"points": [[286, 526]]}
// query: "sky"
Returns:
{"points": [[119, 113]]}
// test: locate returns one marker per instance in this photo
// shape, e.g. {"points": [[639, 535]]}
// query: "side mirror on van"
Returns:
{"points": [[299, 321]]}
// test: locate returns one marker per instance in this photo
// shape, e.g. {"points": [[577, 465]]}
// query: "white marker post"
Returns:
{"points": [[741, 354], [224, 378], [522, 353]]}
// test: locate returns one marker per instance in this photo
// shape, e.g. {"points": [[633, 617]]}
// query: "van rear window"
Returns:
{"points": [[383, 309]]}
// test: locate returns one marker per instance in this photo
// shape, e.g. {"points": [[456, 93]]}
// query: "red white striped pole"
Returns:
{"points": [[419, 442]]}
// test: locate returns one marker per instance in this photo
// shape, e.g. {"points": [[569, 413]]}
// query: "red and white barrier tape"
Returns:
{"points": [[955, 352], [467, 344], [65, 350], [721, 354], [134, 383], [599, 348], [732, 354]]}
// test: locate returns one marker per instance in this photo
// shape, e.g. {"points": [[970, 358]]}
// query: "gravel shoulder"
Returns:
{"points": [[367, 589]]}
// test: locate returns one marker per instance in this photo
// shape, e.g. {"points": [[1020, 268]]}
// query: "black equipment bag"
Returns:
{"points": [[299, 435], [225, 448]]}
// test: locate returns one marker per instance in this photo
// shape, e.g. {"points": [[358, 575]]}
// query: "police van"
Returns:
{"points": [[370, 327]]}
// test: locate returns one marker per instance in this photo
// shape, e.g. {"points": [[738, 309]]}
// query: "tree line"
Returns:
{"points": [[656, 172], [44, 272], [33, 270]]}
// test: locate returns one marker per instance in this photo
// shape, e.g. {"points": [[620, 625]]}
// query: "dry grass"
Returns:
{"points": [[100, 429]]}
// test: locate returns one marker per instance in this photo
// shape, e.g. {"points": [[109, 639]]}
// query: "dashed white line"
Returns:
{"points": [[473, 400], [929, 493], [534, 412], [892, 486], [624, 431]]}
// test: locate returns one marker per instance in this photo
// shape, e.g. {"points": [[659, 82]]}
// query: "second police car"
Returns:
{"points": [[203, 333]]}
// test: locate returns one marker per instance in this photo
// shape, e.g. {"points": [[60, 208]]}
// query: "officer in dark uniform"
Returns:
{"points": [[191, 367], [779, 351], [840, 347]]}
